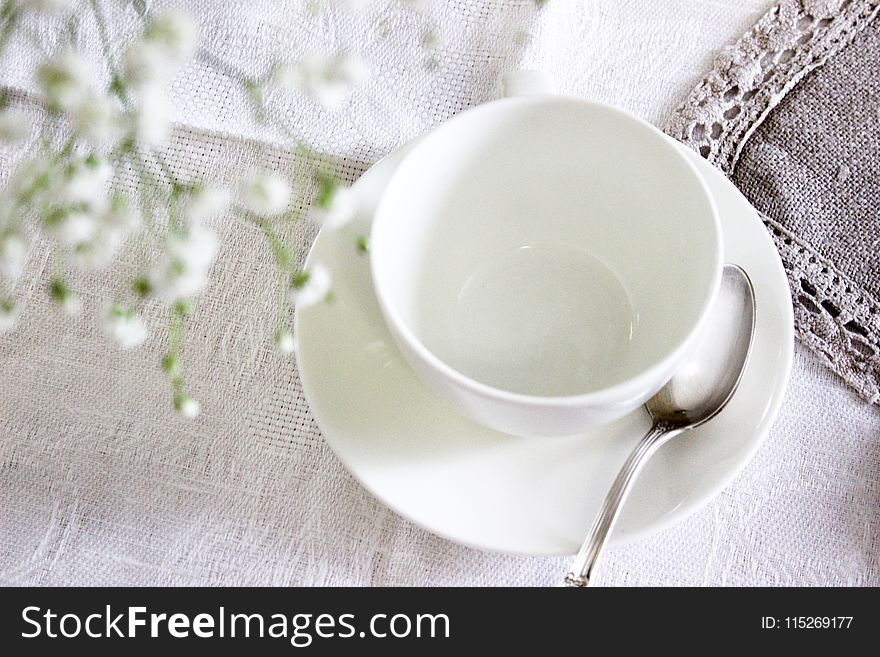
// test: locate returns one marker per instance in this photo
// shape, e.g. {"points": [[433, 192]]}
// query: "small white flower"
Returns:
{"points": [[9, 313], [286, 76], [33, 180], [327, 79], [71, 305], [97, 120], [14, 126], [265, 194], [124, 326], [284, 341], [98, 252], [187, 406], [71, 228], [66, 80], [175, 32], [195, 249], [182, 271], [13, 255], [206, 201], [169, 40], [84, 181], [112, 229], [50, 7], [145, 65], [336, 211], [311, 287], [150, 121], [121, 216], [66, 298]]}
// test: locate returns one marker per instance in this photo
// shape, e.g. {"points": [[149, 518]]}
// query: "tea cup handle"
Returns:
{"points": [[526, 83]]}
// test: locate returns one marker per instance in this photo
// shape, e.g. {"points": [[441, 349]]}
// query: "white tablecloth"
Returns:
{"points": [[102, 487]]}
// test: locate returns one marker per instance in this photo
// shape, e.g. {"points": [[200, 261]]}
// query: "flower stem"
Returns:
{"points": [[116, 86], [9, 15], [283, 260], [262, 114], [173, 180], [146, 179]]}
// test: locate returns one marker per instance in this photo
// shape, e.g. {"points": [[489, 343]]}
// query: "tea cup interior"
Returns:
{"points": [[545, 246]]}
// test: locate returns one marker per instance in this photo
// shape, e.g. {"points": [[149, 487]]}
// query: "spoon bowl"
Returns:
{"points": [[697, 392], [711, 373]]}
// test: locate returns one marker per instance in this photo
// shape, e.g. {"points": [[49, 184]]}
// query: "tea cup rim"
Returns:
{"points": [[618, 393]]}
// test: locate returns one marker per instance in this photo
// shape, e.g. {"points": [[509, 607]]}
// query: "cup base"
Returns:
{"points": [[545, 319]]}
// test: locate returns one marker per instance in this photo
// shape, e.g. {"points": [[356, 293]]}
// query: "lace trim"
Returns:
{"points": [[834, 315]]}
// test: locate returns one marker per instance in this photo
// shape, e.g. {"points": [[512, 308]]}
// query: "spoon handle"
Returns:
{"points": [[585, 562]]}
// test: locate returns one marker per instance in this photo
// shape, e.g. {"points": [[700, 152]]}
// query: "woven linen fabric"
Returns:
{"points": [[100, 484], [792, 114]]}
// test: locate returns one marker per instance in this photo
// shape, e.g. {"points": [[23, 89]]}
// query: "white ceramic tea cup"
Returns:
{"points": [[544, 263]]}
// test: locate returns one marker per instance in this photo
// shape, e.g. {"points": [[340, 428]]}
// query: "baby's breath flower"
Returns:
{"points": [[286, 76], [112, 228], [70, 227], [327, 79], [335, 205], [13, 255], [150, 122], [71, 305], [265, 194], [168, 41], [206, 201], [14, 126], [66, 80], [98, 120], [9, 313], [66, 298], [310, 287], [187, 406], [32, 180], [175, 32], [84, 181], [284, 341], [99, 251], [124, 326], [182, 271], [145, 65], [119, 214]]}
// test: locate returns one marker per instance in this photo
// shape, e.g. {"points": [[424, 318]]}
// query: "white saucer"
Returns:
{"points": [[498, 492]]}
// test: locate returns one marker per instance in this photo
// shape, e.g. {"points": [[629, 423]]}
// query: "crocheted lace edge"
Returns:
{"points": [[837, 318]]}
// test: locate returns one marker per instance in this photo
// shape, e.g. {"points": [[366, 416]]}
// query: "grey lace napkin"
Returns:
{"points": [[792, 114]]}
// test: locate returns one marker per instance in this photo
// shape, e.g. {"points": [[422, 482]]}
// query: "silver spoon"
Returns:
{"points": [[699, 390]]}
